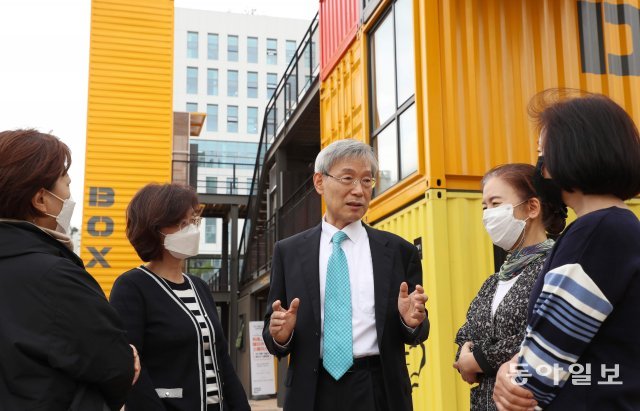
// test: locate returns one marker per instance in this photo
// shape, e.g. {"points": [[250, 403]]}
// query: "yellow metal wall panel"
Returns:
{"points": [[129, 124], [457, 258], [342, 95], [493, 56]]}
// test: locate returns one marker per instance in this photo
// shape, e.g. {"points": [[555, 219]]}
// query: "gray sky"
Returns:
{"points": [[44, 46]]}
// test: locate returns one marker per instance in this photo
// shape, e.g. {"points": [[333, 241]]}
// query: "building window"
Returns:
{"points": [[252, 120], [272, 83], [393, 114], [212, 46], [232, 83], [252, 84], [252, 49], [212, 117], [212, 82], [210, 230], [211, 185], [272, 51], [192, 80], [291, 50], [232, 48], [192, 107], [271, 122], [232, 119], [192, 44]]}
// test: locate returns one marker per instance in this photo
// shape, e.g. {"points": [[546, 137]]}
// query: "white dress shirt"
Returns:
{"points": [[358, 253]]}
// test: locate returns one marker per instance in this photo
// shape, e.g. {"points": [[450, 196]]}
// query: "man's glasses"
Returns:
{"points": [[366, 182]]}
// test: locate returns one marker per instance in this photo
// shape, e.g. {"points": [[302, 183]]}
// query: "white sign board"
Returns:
{"points": [[263, 379]]}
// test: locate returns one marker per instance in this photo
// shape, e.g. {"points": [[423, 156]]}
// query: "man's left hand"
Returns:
{"points": [[411, 306]]}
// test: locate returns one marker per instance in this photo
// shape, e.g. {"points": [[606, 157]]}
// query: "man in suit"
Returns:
{"points": [[345, 298]]}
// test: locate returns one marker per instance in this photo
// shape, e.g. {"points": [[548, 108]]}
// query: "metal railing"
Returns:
{"points": [[299, 212], [209, 268], [217, 177], [302, 71]]}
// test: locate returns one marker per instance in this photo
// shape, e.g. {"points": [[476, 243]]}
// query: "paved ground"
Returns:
{"points": [[264, 405]]}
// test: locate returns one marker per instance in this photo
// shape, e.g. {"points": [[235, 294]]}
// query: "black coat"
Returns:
{"points": [[169, 346], [295, 273], [57, 330]]}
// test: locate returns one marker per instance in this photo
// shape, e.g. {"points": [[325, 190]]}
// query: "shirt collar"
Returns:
{"points": [[354, 231]]}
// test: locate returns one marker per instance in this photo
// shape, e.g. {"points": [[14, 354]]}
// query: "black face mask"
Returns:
{"points": [[548, 191]]}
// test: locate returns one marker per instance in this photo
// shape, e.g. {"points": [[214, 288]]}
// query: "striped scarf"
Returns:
{"points": [[519, 259]]}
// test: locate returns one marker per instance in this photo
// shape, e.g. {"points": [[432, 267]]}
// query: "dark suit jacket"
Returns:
{"points": [[295, 273]]}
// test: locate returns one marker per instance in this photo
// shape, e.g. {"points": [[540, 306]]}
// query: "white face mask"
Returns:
{"points": [[64, 216], [503, 228], [184, 243]]}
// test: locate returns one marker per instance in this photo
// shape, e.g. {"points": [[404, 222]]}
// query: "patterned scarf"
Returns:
{"points": [[519, 259]]}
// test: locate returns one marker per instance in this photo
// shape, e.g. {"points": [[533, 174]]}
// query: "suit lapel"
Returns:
{"points": [[309, 254], [382, 260]]}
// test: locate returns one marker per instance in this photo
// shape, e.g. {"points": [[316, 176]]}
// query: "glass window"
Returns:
{"points": [[232, 48], [210, 230], [252, 49], [232, 83], [404, 50], [252, 120], [212, 185], [272, 51], [383, 69], [212, 117], [252, 84], [272, 83], [387, 149], [192, 80], [291, 49], [192, 44], [393, 112], [232, 119], [212, 82], [212, 46], [271, 122], [192, 107], [408, 142], [226, 154]]}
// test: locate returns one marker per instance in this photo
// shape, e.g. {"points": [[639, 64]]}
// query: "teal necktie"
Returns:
{"points": [[337, 355]]}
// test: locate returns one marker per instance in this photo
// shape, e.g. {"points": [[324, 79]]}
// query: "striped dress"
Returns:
{"points": [[186, 294], [581, 348]]}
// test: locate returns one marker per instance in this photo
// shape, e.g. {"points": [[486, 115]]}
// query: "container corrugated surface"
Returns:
{"points": [[338, 27], [457, 258], [129, 124], [487, 58], [342, 95]]}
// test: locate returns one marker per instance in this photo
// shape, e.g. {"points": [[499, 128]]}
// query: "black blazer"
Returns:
{"points": [[295, 273], [57, 331], [169, 346]]}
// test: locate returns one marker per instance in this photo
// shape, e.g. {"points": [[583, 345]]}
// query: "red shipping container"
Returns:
{"points": [[338, 27]]}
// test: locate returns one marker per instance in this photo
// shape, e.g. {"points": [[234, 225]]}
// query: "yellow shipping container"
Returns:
{"points": [[342, 105], [457, 257], [478, 63], [129, 124]]}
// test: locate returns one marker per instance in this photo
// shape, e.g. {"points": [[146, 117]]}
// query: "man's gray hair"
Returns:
{"points": [[341, 149]]}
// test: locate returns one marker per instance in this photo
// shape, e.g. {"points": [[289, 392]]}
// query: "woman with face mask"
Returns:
{"points": [[170, 316], [581, 350], [518, 222], [62, 346]]}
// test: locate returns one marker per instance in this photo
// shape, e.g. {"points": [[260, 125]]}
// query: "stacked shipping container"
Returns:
{"points": [[475, 66]]}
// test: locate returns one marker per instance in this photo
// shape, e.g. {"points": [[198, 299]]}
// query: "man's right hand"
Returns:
{"points": [[283, 321]]}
